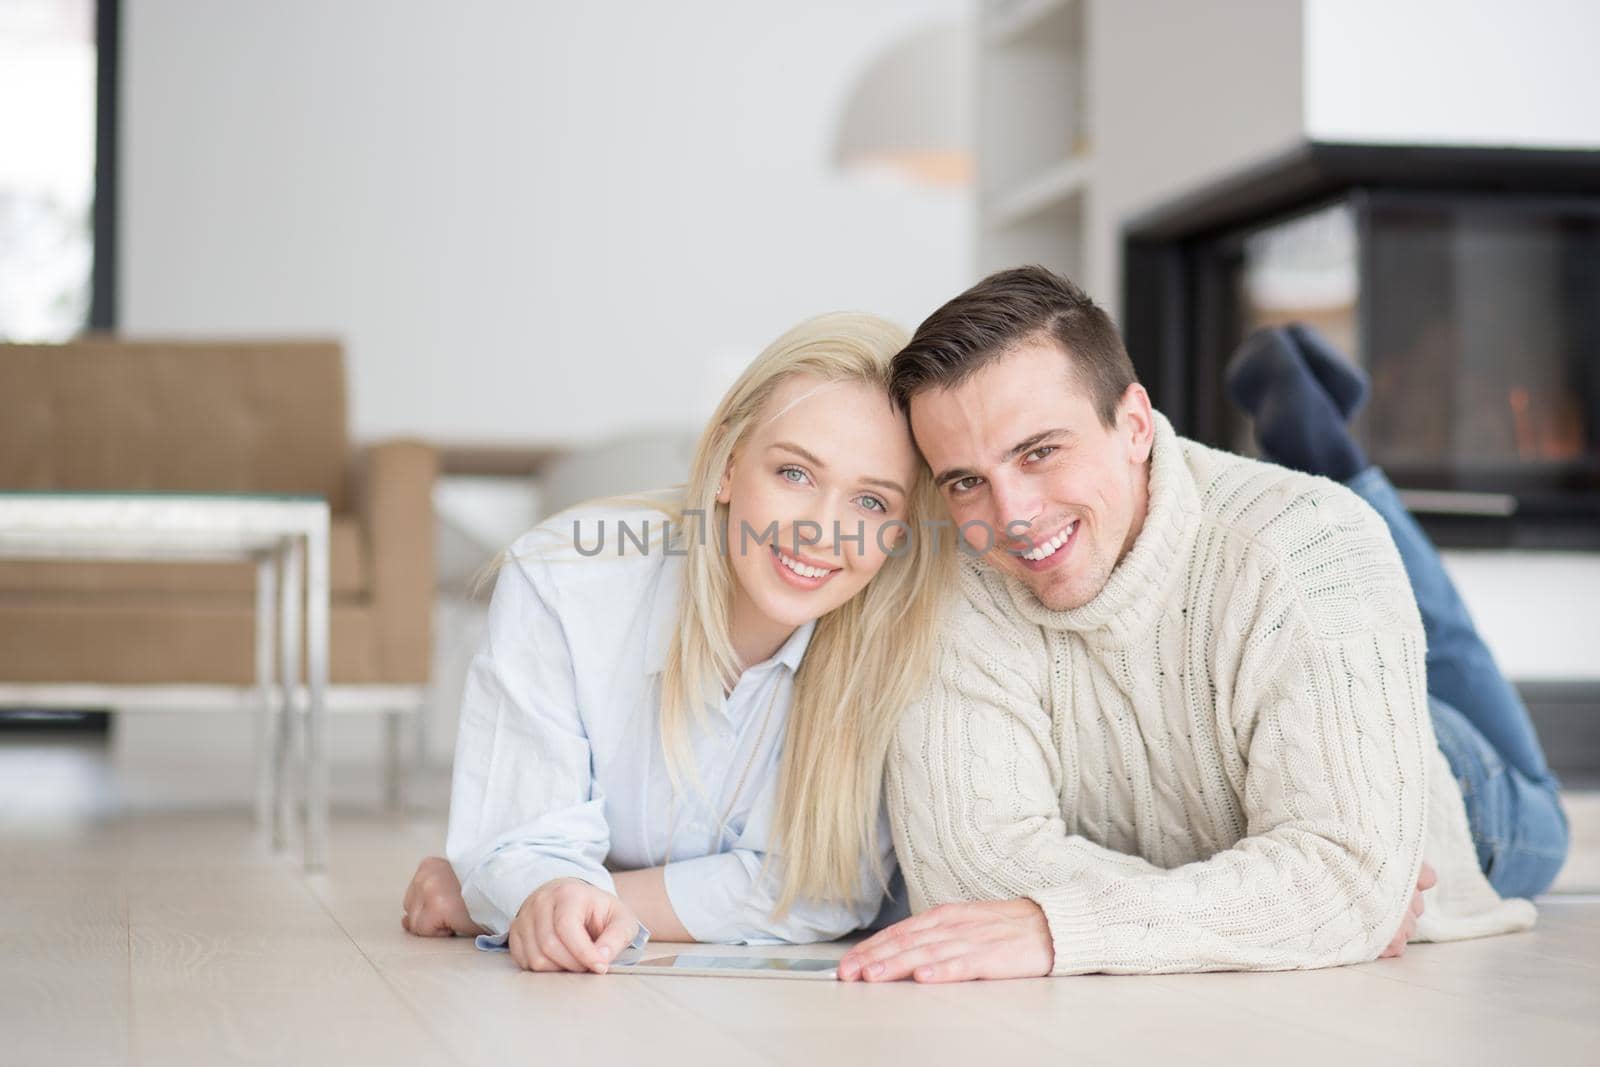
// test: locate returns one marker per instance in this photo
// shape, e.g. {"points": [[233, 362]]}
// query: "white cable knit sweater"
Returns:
{"points": [[1223, 761]]}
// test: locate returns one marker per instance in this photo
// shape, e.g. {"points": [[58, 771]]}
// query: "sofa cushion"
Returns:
{"points": [[130, 642], [181, 416], [350, 573]]}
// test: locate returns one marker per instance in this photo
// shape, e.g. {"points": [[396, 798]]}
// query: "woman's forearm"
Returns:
{"points": [[645, 892]]}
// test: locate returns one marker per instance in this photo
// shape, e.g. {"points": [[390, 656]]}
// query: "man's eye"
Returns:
{"points": [[962, 485], [1041, 452]]}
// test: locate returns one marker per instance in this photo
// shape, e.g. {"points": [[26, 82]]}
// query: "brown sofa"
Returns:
{"points": [[207, 417]]}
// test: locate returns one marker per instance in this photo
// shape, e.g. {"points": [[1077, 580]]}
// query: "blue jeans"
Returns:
{"points": [[1513, 801]]}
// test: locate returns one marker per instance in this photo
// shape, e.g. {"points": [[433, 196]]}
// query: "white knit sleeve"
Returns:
{"points": [[1331, 738]]}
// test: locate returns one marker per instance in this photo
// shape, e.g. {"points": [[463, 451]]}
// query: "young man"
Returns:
{"points": [[1180, 720]]}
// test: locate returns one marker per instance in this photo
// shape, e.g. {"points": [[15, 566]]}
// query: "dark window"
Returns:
{"points": [[57, 126]]}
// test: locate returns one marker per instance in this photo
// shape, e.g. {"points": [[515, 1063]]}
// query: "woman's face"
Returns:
{"points": [[811, 493]]}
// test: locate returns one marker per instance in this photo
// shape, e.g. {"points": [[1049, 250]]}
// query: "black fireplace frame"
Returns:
{"points": [[1173, 309]]}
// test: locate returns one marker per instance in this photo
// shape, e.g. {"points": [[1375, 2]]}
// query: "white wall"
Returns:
{"points": [[1466, 72], [1536, 610], [1181, 93], [527, 221], [532, 220]]}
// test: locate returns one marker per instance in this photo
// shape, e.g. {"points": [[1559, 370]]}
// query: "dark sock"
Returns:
{"points": [[1344, 381], [1297, 422]]}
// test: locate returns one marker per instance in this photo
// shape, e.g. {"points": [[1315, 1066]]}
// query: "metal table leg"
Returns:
{"points": [[317, 593], [291, 592], [266, 678]]}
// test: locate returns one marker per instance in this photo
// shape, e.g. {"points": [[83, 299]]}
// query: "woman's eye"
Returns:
{"points": [[872, 503], [792, 475]]}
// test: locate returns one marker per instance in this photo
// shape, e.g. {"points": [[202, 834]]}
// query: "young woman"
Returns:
{"points": [[680, 716], [1299, 391]]}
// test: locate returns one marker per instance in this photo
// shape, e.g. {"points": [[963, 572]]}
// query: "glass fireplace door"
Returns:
{"points": [[1478, 321]]}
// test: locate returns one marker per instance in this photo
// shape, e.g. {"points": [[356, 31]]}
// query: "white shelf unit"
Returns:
{"points": [[1034, 164]]}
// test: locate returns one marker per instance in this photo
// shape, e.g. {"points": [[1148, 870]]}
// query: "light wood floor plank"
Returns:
{"points": [[802, 1024], [484, 1010], [1115, 1018], [243, 965], [172, 939], [1523, 983], [1416, 1024], [64, 979], [488, 1013]]}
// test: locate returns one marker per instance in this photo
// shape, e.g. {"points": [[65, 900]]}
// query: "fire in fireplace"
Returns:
{"points": [[1466, 282]]}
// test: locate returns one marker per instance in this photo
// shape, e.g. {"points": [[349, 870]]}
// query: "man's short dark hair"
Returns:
{"points": [[1004, 311]]}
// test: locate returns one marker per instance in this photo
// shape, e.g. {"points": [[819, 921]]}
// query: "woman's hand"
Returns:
{"points": [[569, 925], [1426, 879], [433, 904]]}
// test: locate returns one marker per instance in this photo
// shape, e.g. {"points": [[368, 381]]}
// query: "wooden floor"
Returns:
{"points": [[178, 937]]}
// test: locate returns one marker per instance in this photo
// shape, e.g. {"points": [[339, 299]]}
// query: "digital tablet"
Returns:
{"points": [[732, 967]]}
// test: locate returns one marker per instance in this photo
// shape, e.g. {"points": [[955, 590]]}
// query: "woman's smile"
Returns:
{"points": [[799, 572]]}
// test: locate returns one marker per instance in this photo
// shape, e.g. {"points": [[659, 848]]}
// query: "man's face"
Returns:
{"points": [[1032, 476]]}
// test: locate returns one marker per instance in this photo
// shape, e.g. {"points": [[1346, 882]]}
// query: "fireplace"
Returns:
{"points": [[1466, 282]]}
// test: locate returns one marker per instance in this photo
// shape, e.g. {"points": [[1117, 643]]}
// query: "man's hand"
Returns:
{"points": [[433, 904], [1426, 879], [569, 925], [956, 943]]}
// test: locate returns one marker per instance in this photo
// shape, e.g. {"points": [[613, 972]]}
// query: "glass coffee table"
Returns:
{"points": [[287, 538]]}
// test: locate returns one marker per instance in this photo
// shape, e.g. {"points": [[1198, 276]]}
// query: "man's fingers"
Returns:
{"points": [[1426, 878], [907, 963], [852, 962], [889, 934], [909, 941], [1397, 944], [929, 919], [959, 968], [889, 941]]}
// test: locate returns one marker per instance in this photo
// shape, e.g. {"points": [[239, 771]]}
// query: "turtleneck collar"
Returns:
{"points": [[1141, 583]]}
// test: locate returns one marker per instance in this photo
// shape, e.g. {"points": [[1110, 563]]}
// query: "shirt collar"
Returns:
{"points": [[663, 622], [792, 651]]}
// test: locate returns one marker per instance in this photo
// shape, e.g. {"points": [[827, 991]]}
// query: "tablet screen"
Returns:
{"points": [[687, 962]]}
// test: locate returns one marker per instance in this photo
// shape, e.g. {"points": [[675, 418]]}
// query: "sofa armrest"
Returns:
{"points": [[394, 494]]}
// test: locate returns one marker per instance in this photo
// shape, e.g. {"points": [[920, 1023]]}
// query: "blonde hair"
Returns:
{"points": [[867, 658]]}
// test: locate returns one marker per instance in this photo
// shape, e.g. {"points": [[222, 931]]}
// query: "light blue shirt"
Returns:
{"points": [[559, 770]]}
